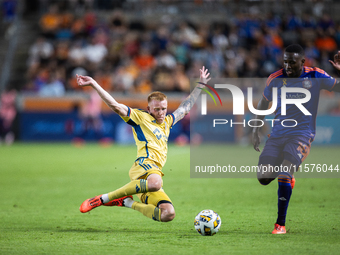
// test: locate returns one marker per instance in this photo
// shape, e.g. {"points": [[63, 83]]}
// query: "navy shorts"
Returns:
{"points": [[295, 149]]}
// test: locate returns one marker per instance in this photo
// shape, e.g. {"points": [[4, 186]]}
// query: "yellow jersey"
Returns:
{"points": [[151, 138]]}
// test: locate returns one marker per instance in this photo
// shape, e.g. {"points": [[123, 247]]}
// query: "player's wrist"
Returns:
{"points": [[200, 85]]}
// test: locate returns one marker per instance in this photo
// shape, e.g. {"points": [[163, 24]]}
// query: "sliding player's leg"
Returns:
{"points": [[140, 183], [154, 205], [146, 176]]}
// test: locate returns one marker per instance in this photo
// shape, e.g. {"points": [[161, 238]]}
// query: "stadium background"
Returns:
{"points": [[135, 47]]}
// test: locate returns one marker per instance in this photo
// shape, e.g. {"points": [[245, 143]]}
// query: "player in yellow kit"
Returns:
{"points": [[151, 130]]}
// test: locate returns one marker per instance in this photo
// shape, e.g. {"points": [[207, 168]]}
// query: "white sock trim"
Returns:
{"points": [[105, 198], [128, 202]]}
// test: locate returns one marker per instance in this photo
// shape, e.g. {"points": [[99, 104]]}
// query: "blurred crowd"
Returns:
{"points": [[133, 56]]}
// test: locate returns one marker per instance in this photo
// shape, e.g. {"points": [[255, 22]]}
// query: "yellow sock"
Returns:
{"points": [[150, 211], [133, 187]]}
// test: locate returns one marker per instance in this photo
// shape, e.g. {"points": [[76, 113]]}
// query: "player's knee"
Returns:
{"points": [[154, 186], [154, 182], [168, 216], [265, 181], [167, 212]]}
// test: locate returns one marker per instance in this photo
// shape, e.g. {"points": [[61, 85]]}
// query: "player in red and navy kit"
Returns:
{"points": [[289, 142]]}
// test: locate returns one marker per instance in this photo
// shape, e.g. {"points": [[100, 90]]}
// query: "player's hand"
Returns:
{"points": [[256, 141], [84, 80], [204, 75], [336, 62]]}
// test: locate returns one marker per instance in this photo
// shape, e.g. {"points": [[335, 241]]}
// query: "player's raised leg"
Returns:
{"points": [[155, 205], [133, 187], [163, 212]]}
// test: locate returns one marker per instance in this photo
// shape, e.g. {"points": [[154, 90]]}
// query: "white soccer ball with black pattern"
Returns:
{"points": [[207, 223]]}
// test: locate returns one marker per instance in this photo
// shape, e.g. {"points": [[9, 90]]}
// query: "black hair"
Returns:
{"points": [[295, 48]]}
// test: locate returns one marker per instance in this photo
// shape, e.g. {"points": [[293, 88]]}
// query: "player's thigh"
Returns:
{"points": [[141, 170], [297, 149], [272, 153]]}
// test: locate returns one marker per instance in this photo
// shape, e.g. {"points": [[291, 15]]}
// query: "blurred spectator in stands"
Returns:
{"points": [[215, 61], [312, 54], [326, 22], [104, 78], [187, 34], [182, 82], [219, 40], [165, 59], [180, 50], [325, 42], [64, 32], [79, 6], [95, 53], [143, 82], [76, 54], [308, 21], [117, 25], [50, 21], [40, 52], [78, 29], [100, 36], [293, 22], [90, 20], [61, 52], [131, 44], [7, 115], [91, 118], [124, 79], [161, 39], [8, 10], [37, 78], [163, 80], [53, 87], [144, 60]]}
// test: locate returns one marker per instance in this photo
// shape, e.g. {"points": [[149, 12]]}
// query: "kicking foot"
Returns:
{"points": [[279, 229], [90, 204], [117, 202], [292, 183]]}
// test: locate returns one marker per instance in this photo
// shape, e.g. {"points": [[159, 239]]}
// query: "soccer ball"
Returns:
{"points": [[207, 223]]}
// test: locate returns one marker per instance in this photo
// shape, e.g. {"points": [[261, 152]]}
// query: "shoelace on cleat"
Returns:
{"points": [[95, 202]]}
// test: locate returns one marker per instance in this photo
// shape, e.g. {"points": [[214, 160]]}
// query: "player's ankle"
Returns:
{"points": [[128, 202], [105, 198]]}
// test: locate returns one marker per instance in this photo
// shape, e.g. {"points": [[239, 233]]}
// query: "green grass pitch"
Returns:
{"points": [[43, 185]]}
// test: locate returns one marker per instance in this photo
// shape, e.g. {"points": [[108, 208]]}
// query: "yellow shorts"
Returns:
{"points": [[141, 169]]}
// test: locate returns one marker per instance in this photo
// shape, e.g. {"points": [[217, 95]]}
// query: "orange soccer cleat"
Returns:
{"points": [[90, 204], [292, 182], [117, 202], [279, 229]]}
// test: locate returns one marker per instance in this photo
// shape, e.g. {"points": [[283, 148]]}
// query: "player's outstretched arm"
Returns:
{"points": [[189, 102], [121, 109], [262, 105]]}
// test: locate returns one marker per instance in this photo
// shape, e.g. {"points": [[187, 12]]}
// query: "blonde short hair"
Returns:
{"points": [[159, 96]]}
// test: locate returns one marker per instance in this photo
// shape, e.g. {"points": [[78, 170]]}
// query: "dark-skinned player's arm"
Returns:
{"points": [[262, 105], [120, 109], [336, 65], [189, 102]]}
